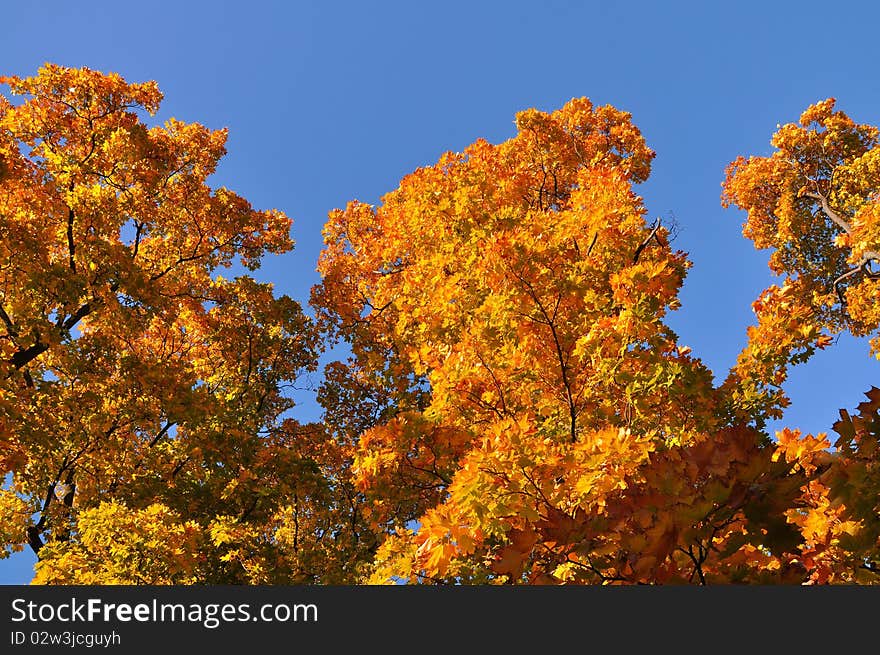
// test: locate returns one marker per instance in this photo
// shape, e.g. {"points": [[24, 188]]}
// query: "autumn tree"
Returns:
{"points": [[515, 408], [815, 203], [145, 429], [519, 409]]}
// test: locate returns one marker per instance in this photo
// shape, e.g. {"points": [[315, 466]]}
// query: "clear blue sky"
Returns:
{"points": [[330, 101]]}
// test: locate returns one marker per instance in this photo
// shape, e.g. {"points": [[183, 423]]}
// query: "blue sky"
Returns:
{"points": [[331, 101]]}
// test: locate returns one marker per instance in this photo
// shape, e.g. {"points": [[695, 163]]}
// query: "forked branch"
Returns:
{"points": [[644, 244]]}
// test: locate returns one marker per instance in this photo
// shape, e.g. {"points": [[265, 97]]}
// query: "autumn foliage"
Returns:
{"points": [[514, 409], [143, 414]]}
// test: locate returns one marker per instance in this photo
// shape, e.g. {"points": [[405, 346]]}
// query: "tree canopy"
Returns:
{"points": [[144, 417], [514, 409]]}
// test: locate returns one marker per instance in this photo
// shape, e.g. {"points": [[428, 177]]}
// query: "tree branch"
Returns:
{"points": [[592, 244], [10, 326], [27, 355], [34, 532], [71, 247], [842, 224], [863, 266], [84, 310], [23, 357], [644, 244], [840, 279]]}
